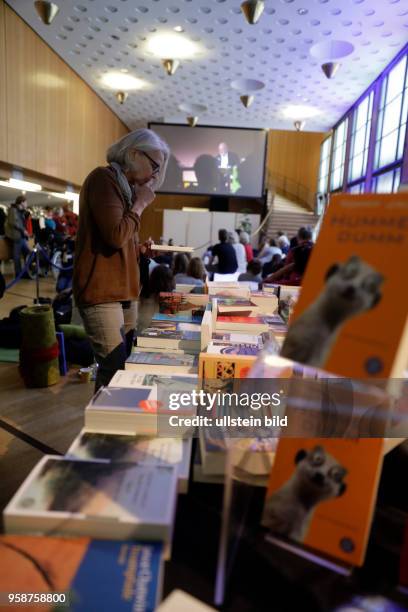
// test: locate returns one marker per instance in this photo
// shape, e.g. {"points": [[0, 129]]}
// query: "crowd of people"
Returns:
{"points": [[48, 225]]}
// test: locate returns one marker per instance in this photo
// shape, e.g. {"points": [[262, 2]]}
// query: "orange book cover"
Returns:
{"points": [[220, 366], [322, 493], [351, 315]]}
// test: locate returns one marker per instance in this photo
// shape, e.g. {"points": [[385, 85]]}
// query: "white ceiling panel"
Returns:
{"points": [[98, 36]]}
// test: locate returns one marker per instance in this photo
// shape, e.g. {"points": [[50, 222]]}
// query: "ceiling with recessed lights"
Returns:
{"points": [[97, 37]]}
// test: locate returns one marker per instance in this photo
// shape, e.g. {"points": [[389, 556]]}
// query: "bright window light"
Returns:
{"points": [[172, 46], [299, 111], [21, 185], [122, 81]]}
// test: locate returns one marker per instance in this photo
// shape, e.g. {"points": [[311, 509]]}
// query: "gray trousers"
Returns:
{"points": [[110, 328]]}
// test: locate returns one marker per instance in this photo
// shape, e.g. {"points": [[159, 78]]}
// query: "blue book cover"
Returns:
{"points": [[81, 574], [164, 334], [121, 398], [179, 317], [119, 576], [176, 359]]}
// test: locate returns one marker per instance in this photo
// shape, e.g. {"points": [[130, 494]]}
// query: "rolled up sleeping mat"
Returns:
{"points": [[39, 365]]}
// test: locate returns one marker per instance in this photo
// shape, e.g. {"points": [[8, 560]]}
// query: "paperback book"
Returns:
{"points": [[87, 574], [206, 327], [215, 348], [144, 450], [99, 499], [258, 340], [137, 410], [213, 451], [180, 317], [321, 495], [131, 380], [351, 315], [224, 367], [166, 338], [250, 324], [180, 303], [180, 601], [169, 363]]}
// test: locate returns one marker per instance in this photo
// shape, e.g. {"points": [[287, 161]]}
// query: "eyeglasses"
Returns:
{"points": [[155, 166]]}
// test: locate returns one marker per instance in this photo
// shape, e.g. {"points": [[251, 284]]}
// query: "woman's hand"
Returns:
{"points": [[144, 196], [146, 249]]}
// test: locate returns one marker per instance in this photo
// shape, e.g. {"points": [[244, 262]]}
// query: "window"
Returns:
{"points": [[360, 138], [359, 188], [339, 154], [388, 182], [324, 165], [392, 121]]}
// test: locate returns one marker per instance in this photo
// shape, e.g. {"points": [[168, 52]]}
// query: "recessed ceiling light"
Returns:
{"points": [[302, 11], [121, 81], [178, 29], [172, 45], [298, 111]]}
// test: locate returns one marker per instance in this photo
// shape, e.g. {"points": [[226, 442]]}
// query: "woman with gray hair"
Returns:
{"points": [[239, 251], [244, 239], [106, 270]]}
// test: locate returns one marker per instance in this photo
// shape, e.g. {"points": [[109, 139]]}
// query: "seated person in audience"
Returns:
{"points": [[295, 265], [195, 274], [272, 266], [244, 239], [283, 243], [253, 273], [268, 251], [225, 254], [239, 251], [180, 264], [161, 280]]}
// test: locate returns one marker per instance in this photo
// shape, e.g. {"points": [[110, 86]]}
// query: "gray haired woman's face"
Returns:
{"points": [[144, 166]]}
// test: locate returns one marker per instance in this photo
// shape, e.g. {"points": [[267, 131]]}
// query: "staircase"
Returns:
{"points": [[288, 217]]}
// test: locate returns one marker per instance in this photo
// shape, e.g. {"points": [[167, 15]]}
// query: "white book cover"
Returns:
{"points": [[237, 338], [180, 601], [95, 498], [206, 329], [131, 379], [215, 348], [135, 400], [144, 450], [163, 363]]}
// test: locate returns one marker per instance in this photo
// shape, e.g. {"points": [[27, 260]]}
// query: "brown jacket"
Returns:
{"points": [[106, 267]]}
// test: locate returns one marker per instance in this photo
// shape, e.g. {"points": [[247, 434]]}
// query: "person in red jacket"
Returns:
{"points": [[71, 220]]}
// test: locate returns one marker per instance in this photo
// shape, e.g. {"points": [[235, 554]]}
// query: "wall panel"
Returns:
{"points": [[3, 115], [51, 122], [294, 157], [20, 91]]}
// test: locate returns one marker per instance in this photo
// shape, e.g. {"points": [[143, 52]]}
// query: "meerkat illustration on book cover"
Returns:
{"points": [[348, 319]]}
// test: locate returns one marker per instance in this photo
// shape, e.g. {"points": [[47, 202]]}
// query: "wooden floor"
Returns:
{"points": [[53, 415]]}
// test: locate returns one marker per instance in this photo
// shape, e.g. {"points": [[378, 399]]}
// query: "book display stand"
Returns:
{"points": [[241, 531], [338, 535]]}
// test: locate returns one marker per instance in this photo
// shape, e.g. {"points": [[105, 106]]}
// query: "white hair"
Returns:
{"points": [[244, 238], [283, 240], [141, 140], [233, 238]]}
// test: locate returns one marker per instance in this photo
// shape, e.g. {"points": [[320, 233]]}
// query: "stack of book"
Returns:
{"points": [[115, 492]]}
